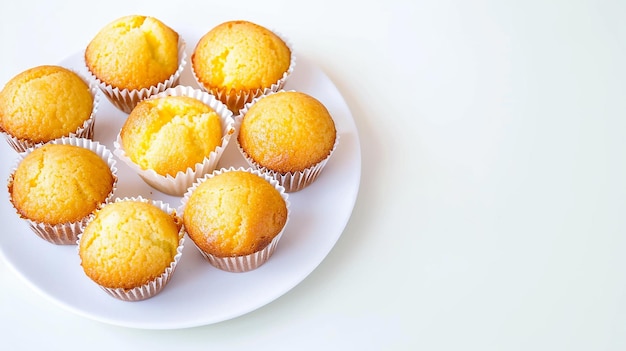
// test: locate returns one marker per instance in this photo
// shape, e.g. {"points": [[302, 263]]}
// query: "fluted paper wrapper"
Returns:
{"points": [[291, 181], [125, 100], [177, 185], [245, 263], [84, 131], [156, 285], [67, 233], [236, 99]]}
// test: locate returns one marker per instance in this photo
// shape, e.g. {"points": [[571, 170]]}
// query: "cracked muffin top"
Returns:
{"points": [[287, 131], [129, 243], [240, 55], [235, 213], [57, 184], [133, 52], [170, 134], [44, 103]]}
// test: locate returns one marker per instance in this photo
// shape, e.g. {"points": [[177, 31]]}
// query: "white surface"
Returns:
{"points": [[490, 212], [199, 294]]}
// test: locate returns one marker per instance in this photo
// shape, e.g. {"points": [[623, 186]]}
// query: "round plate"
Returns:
{"points": [[198, 294]]}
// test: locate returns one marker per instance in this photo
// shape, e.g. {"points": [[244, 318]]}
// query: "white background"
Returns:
{"points": [[491, 214]]}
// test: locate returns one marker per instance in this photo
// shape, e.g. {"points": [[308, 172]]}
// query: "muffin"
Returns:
{"points": [[240, 60], [235, 217], [289, 134], [134, 57], [131, 247], [175, 137], [56, 186], [44, 103]]}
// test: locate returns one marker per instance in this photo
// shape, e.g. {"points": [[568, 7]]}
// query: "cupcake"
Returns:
{"points": [[235, 217], [239, 60], [45, 103], [291, 135], [130, 247], [56, 186], [134, 57], [175, 137]]}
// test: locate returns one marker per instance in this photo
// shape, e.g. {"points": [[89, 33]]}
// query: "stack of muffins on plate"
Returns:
{"points": [[64, 182]]}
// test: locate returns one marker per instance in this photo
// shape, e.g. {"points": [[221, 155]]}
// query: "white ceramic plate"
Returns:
{"points": [[198, 293]]}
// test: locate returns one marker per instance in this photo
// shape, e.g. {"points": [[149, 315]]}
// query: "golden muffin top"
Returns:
{"points": [[234, 213], [287, 131], [240, 55], [44, 103], [133, 52], [170, 134], [57, 184], [128, 243]]}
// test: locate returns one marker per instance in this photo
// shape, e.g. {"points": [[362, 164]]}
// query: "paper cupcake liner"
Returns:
{"points": [[244, 263], [178, 184], [66, 233], [236, 99], [125, 100], [154, 286], [84, 131], [291, 181], [240, 264]]}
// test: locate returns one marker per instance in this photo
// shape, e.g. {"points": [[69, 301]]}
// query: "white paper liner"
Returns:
{"points": [[291, 181], [66, 233], [245, 263], [154, 286], [84, 131], [177, 185], [125, 100], [235, 99]]}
